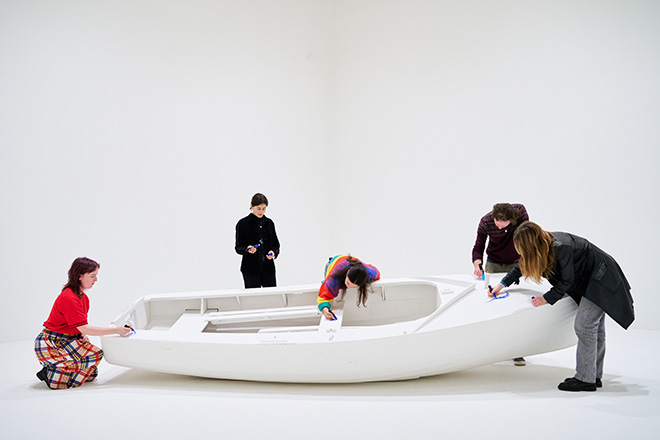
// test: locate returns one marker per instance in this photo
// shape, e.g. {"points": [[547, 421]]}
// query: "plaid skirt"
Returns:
{"points": [[69, 361]]}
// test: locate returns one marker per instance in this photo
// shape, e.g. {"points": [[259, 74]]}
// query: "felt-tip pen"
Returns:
{"points": [[129, 333], [483, 274]]}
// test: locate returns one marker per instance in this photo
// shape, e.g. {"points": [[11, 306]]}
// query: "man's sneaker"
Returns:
{"points": [[519, 362], [573, 384]]}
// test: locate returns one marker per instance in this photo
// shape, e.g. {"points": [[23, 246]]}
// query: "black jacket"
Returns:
{"points": [[250, 231], [583, 270]]}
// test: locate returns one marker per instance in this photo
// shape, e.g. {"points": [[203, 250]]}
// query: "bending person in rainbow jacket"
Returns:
{"points": [[345, 272]]}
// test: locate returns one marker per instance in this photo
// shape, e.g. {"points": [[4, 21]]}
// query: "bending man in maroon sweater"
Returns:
{"points": [[498, 227]]}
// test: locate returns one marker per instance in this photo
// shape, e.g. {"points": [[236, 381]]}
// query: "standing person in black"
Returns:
{"points": [[257, 241]]}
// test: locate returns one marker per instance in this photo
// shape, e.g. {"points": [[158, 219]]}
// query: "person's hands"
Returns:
{"points": [[477, 270], [85, 339], [251, 249], [123, 331], [538, 301], [270, 255], [328, 314], [496, 290]]}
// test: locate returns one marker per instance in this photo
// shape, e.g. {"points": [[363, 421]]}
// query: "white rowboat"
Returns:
{"points": [[411, 327]]}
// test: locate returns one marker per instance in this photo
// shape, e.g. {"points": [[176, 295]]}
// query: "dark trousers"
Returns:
{"points": [[259, 280]]}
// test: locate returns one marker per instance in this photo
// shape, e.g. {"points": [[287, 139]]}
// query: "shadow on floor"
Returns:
{"points": [[490, 379]]}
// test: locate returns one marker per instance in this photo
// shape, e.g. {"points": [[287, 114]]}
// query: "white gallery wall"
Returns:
{"points": [[135, 133]]}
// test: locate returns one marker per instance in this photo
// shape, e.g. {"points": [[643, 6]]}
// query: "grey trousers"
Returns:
{"points": [[590, 330]]}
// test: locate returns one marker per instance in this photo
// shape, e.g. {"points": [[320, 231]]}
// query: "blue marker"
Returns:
{"points": [[490, 289], [483, 274]]}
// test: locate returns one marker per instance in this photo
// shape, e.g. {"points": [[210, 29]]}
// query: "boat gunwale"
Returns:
{"points": [[124, 316]]}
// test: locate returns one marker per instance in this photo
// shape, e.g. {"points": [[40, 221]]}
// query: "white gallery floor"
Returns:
{"points": [[493, 402]]}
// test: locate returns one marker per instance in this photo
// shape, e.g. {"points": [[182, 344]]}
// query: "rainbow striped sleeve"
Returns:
{"points": [[330, 287], [374, 273], [326, 296]]}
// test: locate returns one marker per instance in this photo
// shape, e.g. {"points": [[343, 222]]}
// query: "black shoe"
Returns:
{"points": [[519, 362], [573, 384], [42, 375], [599, 382]]}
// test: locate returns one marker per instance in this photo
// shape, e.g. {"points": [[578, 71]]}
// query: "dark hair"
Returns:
{"points": [[258, 199], [357, 274], [79, 267], [506, 211]]}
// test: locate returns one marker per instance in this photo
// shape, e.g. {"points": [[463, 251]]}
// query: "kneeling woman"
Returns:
{"points": [[590, 276], [63, 348], [345, 272]]}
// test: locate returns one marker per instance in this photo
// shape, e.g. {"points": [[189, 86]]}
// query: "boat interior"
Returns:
{"points": [[295, 309]]}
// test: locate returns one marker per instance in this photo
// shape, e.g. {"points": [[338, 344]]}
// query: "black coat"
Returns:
{"points": [[250, 231], [583, 270]]}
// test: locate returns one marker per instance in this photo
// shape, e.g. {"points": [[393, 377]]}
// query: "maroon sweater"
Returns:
{"points": [[500, 241]]}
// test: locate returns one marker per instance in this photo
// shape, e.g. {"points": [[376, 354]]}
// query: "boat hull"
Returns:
{"points": [[470, 332]]}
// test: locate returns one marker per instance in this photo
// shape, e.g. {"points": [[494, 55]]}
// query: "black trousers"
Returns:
{"points": [[259, 280]]}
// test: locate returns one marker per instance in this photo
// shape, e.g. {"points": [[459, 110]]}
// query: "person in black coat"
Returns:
{"points": [[257, 241], [576, 267]]}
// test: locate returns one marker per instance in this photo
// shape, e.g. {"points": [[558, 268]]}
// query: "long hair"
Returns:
{"points": [[358, 275], [537, 251], [79, 267]]}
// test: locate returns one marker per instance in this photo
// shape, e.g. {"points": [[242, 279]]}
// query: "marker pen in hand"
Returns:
{"points": [[483, 274], [132, 332], [490, 289]]}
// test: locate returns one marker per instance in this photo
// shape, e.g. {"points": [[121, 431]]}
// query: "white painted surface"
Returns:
{"points": [[393, 338], [498, 401]]}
